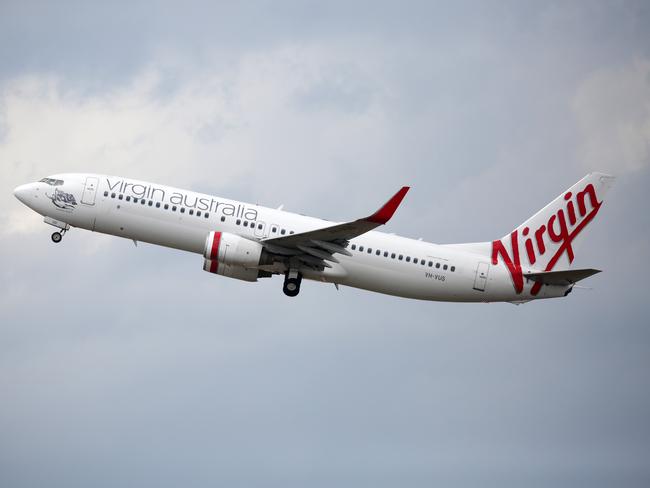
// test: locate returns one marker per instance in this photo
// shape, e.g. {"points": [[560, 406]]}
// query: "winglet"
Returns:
{"points": [[385, 213]]}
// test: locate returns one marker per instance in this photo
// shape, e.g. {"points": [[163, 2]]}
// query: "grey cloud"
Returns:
{"points": [[341, 89]]}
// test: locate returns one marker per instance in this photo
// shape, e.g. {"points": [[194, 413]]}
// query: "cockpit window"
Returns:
{"points": [[52, 181]]}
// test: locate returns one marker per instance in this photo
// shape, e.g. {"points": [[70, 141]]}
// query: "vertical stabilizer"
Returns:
{"points": [[549, 239]]}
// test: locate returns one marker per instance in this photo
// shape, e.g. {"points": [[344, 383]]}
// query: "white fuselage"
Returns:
{"points": [[182, 219]]}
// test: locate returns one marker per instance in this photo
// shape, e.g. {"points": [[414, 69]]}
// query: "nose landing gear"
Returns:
{"points": [[57, 236], [292, 280]]}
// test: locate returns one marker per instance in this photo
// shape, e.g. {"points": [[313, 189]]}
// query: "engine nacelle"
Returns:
{"points": [[232, 256]]}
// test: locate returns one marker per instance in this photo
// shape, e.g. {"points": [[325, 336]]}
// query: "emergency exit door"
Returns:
{"points": [[481, 276], [260, 228], [90, 190]]}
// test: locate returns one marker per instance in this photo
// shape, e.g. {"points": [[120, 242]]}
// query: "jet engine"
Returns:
{"points": [[234, 256]]}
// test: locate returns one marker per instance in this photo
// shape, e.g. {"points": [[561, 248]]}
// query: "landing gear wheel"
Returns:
{"points": [[292, 281], [291, 287], [56, 237]]}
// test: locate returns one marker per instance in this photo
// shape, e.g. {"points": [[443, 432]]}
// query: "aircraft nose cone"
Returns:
{"points": [[21, 192]]}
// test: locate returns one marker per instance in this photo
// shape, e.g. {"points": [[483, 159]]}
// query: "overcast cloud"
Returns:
{"points": [[124, 366]]}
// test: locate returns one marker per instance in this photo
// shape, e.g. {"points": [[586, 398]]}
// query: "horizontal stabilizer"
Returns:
{"points": [[561, 278]]}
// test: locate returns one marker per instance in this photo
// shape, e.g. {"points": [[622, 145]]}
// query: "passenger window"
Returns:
{"points": [[370, 250], [142, 201], [157, 204], [408, 259], [223, 219], [182, 209], [392, 256], [128, 198], [283, 232], [401, 257], [415, 260], [445, 267], [206, 215], [167, 206], [274, 229], [378, 252], [354, 247], [245, 223], [452, 269], [198, 213], [385, 254], [259, 226], [105, 193], [112, 195], [360, 248], [150, 203], [437, 265], [422, 262], [238, 222], [191, 212], [430, 264], [290, 232], [174, 208]]}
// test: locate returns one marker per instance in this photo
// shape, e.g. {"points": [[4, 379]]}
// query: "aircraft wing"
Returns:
{"points": [[316, 246]]}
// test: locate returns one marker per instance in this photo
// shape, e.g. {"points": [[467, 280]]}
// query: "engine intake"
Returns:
{"points": [[233, 256]]}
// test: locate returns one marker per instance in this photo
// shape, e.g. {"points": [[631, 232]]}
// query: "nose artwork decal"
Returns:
{"points": [[62, 200]]}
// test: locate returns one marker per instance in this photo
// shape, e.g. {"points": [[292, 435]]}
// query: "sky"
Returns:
{"points": [[125, 366]]}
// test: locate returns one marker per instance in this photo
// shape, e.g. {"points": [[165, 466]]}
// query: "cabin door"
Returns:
{"points": [[481, 276], [90, 191]]}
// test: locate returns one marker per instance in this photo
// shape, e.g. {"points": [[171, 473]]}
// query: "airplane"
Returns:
{"points": [[249, 242]]}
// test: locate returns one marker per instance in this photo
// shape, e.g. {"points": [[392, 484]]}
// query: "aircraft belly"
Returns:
{"points": [[405, 282], [412, 282], [174, 234]]}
